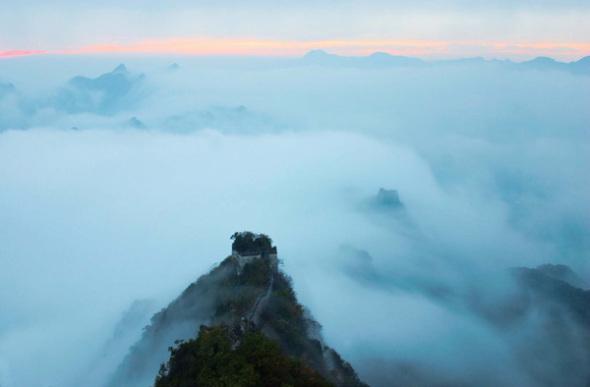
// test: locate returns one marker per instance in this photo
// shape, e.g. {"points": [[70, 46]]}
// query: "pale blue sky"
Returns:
{"points": [[540, 28]]}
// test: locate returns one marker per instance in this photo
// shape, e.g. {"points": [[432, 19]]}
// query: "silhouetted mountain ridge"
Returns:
{"points": [[550, 286], [375, 60], [385, 60], [106, 94]]}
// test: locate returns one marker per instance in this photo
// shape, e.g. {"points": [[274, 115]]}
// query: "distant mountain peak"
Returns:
{"points": [[319, 55], [379, 54], [173, 66], [6, 88], [377, 59], [134, 122], [81, 95], [387, 199], [317, 52], [563, 273], [543, 59], [120, 69]]}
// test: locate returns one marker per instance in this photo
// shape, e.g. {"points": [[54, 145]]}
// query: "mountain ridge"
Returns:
{"points": [[385, 60], [246, 292]]}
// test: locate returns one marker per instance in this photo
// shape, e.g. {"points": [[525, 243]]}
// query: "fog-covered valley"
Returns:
{"points": [[120, 185]]}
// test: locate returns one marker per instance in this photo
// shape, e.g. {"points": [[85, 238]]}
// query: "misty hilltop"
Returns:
{"points": [[244, 315], [106, 94]]}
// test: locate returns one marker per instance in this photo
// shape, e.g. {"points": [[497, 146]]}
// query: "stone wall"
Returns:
{"points": [[242, 260]]}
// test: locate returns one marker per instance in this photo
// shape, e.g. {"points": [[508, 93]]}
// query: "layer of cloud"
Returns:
{"points": [[488, 162]]}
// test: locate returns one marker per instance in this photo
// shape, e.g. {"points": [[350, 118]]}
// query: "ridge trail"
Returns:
{"points": [[260, 300]]}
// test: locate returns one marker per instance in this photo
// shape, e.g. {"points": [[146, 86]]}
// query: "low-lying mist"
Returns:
{"points": [[117, 191]]}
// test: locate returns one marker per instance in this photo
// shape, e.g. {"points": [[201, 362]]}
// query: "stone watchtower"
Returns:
{"points": [[248, 246]]}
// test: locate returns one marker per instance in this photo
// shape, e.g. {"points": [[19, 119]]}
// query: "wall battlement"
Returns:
{"points": [[246, 257]]}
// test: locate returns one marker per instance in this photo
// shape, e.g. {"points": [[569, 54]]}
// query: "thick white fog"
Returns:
{"points": [[117, 192]]}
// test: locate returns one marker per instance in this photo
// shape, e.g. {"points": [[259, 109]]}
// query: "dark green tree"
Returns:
{"points": [[258, 361], [249, 242]]}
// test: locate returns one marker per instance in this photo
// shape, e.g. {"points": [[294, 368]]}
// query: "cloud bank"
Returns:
{"points": [[99, 212]]}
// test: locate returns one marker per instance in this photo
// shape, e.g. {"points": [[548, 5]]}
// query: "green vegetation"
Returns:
{"points": [[284, 314], [257, 362], [235, 295], [247, 242], [256, 273]]}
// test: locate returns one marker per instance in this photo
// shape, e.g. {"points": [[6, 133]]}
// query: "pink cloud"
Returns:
{"points": [[431, 49], [9, 54]]}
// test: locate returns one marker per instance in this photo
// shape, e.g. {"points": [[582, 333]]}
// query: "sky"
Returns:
{"points": [[517, 30]]}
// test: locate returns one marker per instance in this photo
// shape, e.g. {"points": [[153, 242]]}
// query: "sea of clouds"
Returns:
{"points": [[118, 191]]}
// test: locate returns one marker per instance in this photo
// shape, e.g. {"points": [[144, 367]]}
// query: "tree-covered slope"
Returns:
{"points": [[216, 359]]}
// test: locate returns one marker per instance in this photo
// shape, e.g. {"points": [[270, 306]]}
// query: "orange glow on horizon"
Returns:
{"points": [[13, 53], [254, 47], [343, 47], [260, 47]]}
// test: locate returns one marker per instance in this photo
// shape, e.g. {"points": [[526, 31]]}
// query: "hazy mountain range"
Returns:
{"points": [[121, 90], [385, 60]]}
